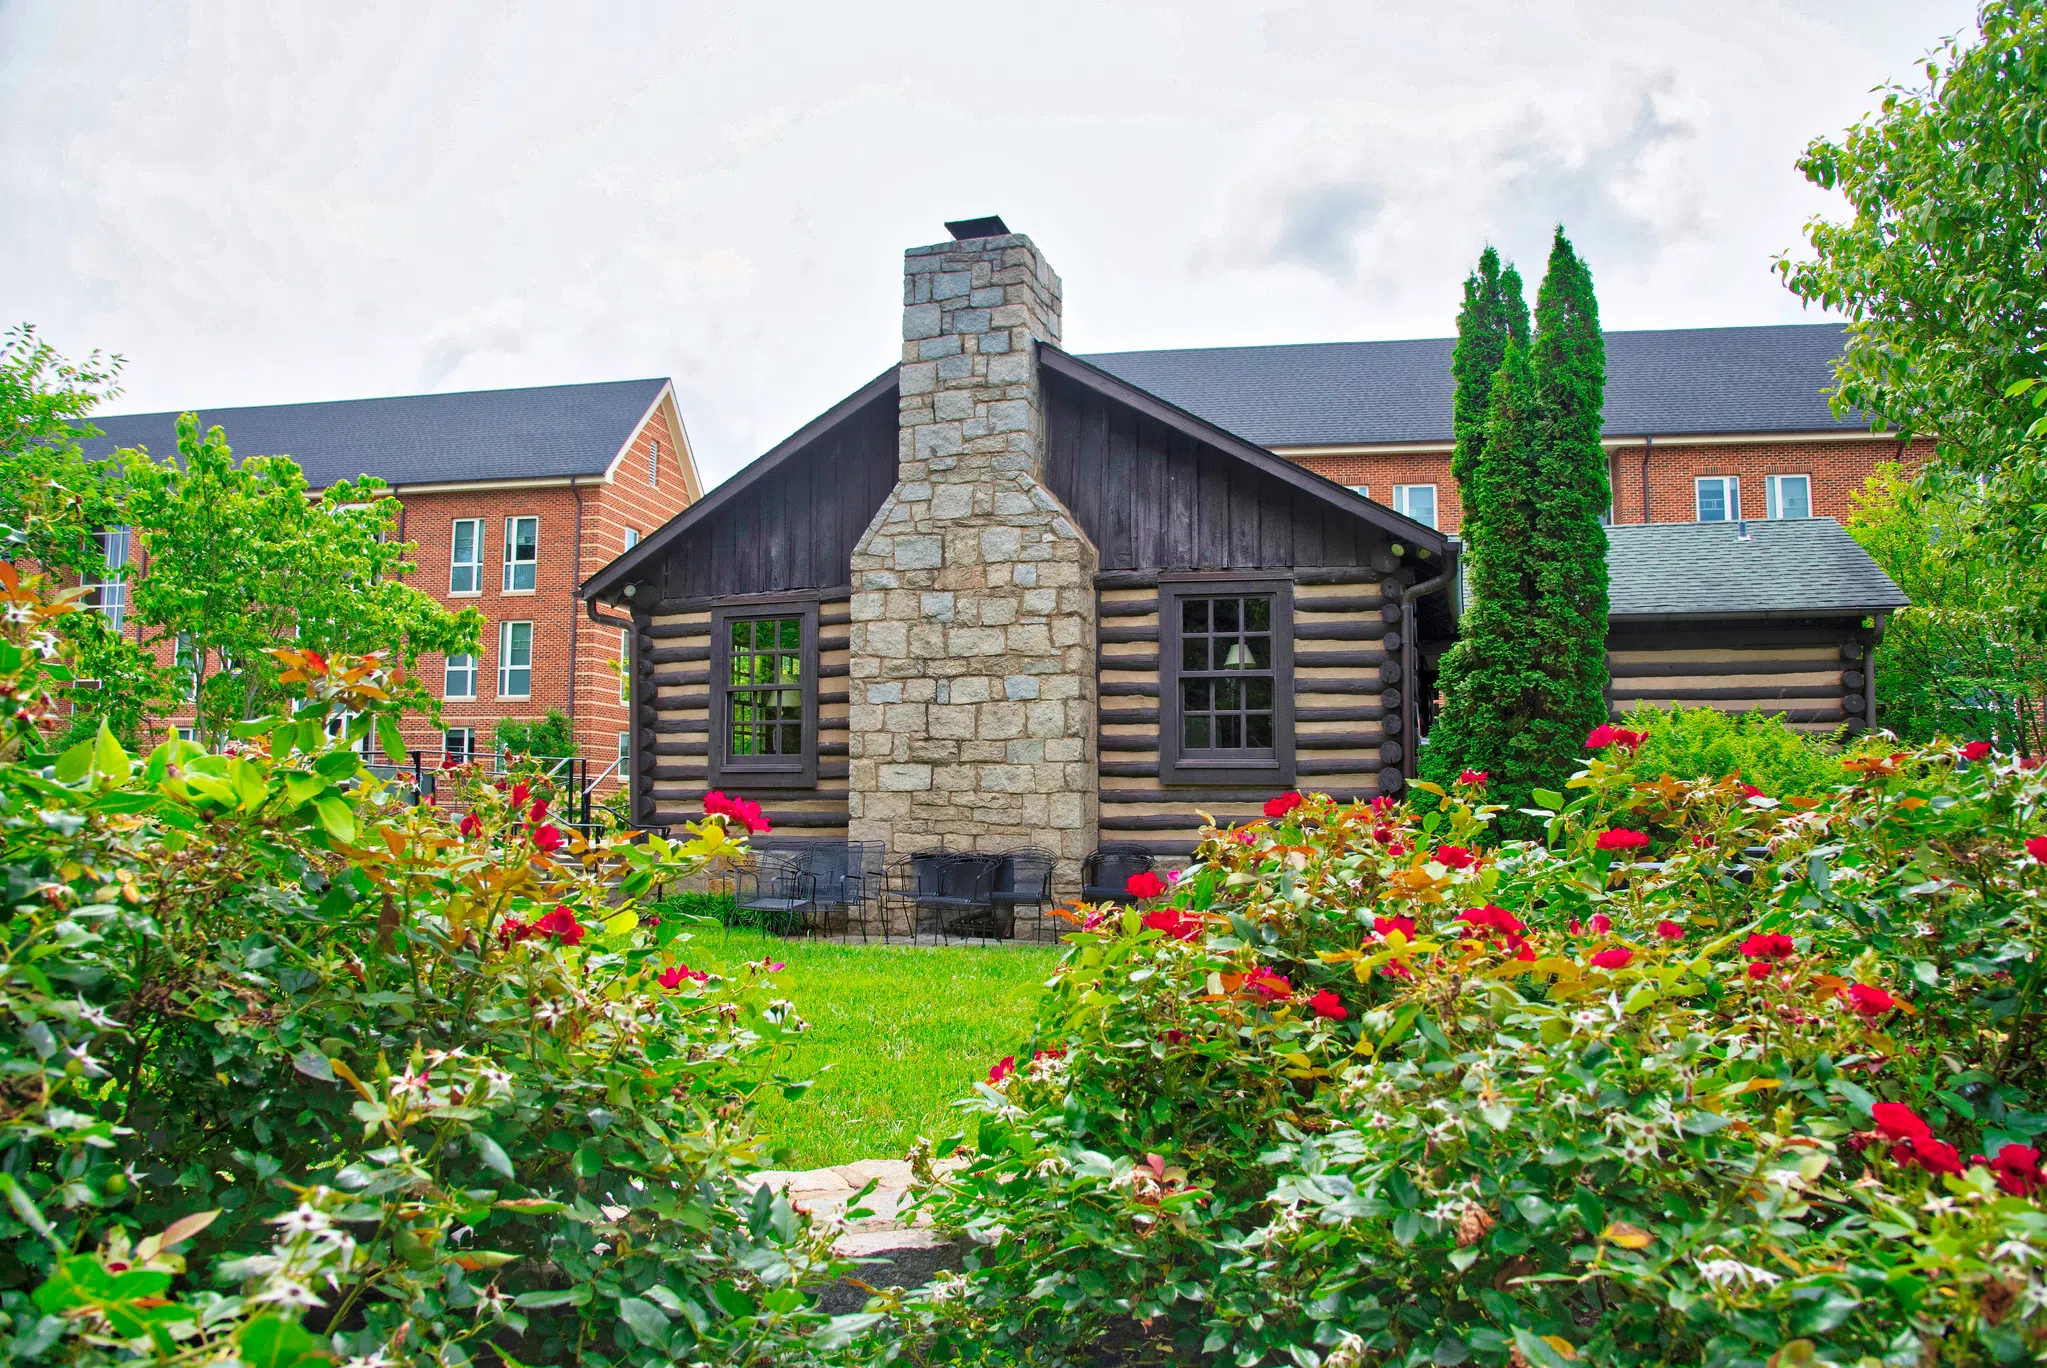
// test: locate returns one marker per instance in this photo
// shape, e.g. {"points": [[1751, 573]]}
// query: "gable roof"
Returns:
{"points": [[1343, 497], [651, 547], [1687, 381], [1788, 568], [414, 439]]}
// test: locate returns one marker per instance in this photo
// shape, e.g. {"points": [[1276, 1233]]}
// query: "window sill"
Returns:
{"points": [[514, 593], [465, 593], [458, 698], [515, 698]]}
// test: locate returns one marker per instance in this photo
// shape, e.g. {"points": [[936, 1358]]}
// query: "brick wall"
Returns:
{"points": [[1837, 466]]}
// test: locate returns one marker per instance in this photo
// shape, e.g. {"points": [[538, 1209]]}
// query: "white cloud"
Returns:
{"points": [[267, 204]]}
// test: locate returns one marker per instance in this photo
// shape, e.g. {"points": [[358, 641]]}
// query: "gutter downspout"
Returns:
{"points": [[1647, 443], [1411, 708], [575, 663]]}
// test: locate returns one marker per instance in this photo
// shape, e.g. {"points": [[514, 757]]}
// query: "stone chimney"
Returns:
{"points": [[973, 632]]}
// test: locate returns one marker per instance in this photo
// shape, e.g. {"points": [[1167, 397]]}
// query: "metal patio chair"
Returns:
{"points": [[777, 893], [1104, 875], [1024, 882]]}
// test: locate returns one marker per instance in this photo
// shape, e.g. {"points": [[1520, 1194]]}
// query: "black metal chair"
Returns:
{"points": [[1024, 881], [866, 884], [1106, 874], [946, 892], [825, 861], [777, 893]]}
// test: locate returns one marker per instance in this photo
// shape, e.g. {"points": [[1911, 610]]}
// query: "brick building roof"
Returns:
{"points": [[414, 439], [1684, 381], [1787, 567]]}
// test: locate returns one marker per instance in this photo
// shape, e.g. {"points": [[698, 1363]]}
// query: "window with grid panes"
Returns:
{"points": [[1226, 674], [764, 688], [465, 556], [522, 554]]}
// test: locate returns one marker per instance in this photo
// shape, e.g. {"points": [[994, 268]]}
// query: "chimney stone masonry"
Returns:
{"points": [[973, 615]]}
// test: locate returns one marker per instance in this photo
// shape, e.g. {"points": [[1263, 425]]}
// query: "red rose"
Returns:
{"points": [[1751, 791], [1327, 1005], [1670, 931], [2036, 846], [1145, 885], [1775, 946], [1283, 804], [1935, 1156], [1174, 1036], [1868, 1001], [1615, 958], [562, 925], [1620, 838], [520, 793], [1493, 918], [671, 978], [1600, 923], [1525, 953], [1899, 1122], [470, 827], [2017, 1170], [1475, 778], [511, 931], [1455, 857], [547, 838], [1975, 750], [1386, 926], [1173, 923], [1605, 735], [1004, 1067], [1396, 969], [742, 810], [1760, 969], [1384, 804], [1269, 984], [539, 812]]}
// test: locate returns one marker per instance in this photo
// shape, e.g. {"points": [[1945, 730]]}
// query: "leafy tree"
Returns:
{"points": [[1942, 267], [1964, 659], [1526, 681], [242, 561], [552, 737]]}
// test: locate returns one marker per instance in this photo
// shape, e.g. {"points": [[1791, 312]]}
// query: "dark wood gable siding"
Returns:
{"points": [[1155, 499], [788, 537], [796, 528], [1159, 501]]}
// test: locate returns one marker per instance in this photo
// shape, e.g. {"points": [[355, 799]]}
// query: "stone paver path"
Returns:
{"points": [[912, 1253]]}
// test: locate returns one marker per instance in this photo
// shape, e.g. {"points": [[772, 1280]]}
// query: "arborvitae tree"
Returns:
{"points": [[1494, 317], [1567, 548], [1526, 680]]}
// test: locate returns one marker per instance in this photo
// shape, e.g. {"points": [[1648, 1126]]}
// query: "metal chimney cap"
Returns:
{"points": [[1741, 530], [963, 230]]}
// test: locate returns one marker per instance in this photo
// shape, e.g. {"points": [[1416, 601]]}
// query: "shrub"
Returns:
{"points": [[1707, 743], [1351, 1092], [551, 738], [293, 1071]]}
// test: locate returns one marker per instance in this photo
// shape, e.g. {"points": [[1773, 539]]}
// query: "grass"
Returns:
{"points": [[896, 1034]]}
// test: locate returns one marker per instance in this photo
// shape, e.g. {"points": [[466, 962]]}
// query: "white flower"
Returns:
{"points": [[95, 1016], [1722, 1272], [303, 1221], [285, 1292], [380, 1359], [420, 1083], [1938, 1203], [2018, 1251]]}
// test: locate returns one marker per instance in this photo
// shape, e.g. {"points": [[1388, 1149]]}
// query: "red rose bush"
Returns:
{"points": [[1697, 1079]]}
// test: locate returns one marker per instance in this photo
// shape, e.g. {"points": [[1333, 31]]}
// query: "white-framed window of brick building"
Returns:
{"points": [[465, 557], [459, 679], [1717, 498], [1363, 491], [185, 662], [625, 760], [632, 537], [110, 590], [515, 660], [1417, 501], [653, 463], [625, 665], [186, 733], [458, 745], [522, 554], [1790, 496]]}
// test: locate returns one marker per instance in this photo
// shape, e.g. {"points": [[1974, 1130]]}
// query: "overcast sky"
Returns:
{"points": [[260, 203]]}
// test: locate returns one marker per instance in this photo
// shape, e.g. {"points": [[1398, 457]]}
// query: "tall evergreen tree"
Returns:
{"points": [[1526, 680], [1567, 549], [1493, 315]]}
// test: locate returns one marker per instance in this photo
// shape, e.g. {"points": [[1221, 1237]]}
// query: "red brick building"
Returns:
{"points": [[514, 498], [1702, 424]]}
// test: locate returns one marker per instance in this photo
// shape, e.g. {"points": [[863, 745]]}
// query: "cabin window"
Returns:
{"points": [[1790, 496], [465, 557], [1719, 498], [1417, 501], [1226, 682], [764, 696], [522, 554]]}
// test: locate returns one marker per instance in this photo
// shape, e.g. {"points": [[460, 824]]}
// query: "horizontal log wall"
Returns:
{"points": [[1346, 701], [672, 673], [1815, 681]]}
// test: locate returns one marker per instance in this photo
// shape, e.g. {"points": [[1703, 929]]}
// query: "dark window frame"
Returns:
{"points": [[760, 772], [1177, 766]]}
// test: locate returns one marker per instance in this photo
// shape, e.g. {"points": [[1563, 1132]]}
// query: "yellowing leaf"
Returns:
{"points": [[1626, 1236], [1562, 1346]]}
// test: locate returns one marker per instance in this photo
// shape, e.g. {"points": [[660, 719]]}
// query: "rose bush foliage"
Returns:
{"points": [[1358, 1089], [294, 1071]]}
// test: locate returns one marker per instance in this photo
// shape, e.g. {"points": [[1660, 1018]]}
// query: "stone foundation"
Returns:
{"points": [[973, 631]]}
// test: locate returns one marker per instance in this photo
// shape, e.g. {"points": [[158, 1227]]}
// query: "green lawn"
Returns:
{"points": [[896, 1034]]}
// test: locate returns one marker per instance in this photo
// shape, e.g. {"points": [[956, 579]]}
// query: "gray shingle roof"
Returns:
{"points": [[1785, 568], [512, 434], [1680, 381]]}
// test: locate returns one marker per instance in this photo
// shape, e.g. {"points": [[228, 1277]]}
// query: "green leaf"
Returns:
{"points": [[272, 1342], [24, 1207], [336, 818], [589, 1161], [645, 1320], [75, 763], [492, 1153], [391, 739], [1549, 800], [109, 761], [579, 1295], [313, 1064]]}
